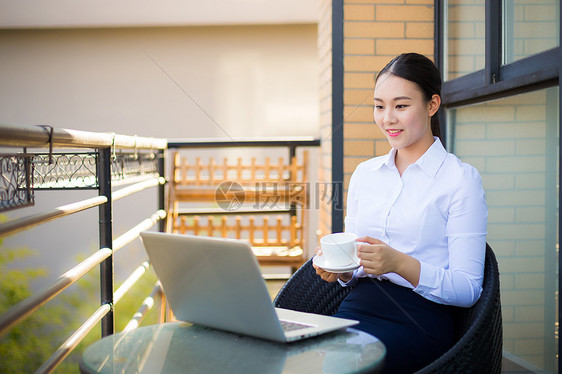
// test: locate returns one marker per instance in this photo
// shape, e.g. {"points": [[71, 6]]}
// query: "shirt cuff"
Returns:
{"points": [[350, 282], [427, 279]]}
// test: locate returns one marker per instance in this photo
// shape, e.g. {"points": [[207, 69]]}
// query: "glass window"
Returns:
{"points": [[530, 27], [465, 35], [513, 142]]}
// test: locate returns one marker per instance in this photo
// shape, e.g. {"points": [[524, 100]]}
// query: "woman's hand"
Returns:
{"points": [[329, 276], [378, 258]]}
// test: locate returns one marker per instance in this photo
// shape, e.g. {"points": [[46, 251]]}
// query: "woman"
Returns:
{"points": [[420, 215]]}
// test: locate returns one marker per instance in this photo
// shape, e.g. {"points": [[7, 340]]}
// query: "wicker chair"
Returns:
{"points": [[478, 329]]}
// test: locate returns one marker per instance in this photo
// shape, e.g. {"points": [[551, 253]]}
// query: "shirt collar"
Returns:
{"points": [[429, 162]]}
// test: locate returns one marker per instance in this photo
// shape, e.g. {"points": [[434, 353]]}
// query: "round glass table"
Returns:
{"points": [[179, 347]]}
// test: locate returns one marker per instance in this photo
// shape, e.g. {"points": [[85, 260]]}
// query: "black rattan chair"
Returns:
{"points": [[478, 329]]}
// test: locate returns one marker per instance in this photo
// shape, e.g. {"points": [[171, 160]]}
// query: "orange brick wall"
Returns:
{"points": [[374, 33]]}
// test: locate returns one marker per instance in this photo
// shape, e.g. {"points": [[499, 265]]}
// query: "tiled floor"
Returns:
{"points": [[509, 367]]}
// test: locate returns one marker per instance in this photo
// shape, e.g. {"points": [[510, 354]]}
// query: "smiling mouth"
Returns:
{"points": [[394, 132]]}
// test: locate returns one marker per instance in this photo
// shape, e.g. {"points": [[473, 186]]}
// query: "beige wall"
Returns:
{"points": [[107, 13], [167, 82], [175, 82], [325, 100]]}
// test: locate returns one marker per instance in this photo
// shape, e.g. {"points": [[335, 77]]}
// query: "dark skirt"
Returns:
{"points": [[414, 330]]}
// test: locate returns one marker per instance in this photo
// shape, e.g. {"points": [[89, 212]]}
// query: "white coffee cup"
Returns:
{"points": [[339, 249]]}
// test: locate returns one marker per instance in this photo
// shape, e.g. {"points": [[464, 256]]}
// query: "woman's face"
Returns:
{"points": [[403, 114]]}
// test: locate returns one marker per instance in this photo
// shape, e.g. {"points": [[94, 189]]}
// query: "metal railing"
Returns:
{"points": [[118, 159]]}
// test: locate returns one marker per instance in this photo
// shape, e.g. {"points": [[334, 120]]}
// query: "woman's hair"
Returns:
{"points": [[422, 71]]}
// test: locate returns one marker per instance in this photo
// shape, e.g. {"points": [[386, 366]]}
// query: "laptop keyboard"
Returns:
{"points": [[292, 326]]}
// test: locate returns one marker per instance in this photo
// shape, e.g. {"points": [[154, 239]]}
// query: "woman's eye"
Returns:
{"points": [[401, 106], [378, 107]]}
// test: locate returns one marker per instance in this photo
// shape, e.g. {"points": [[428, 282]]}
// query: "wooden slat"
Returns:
{"points": [[259, 233], [205, 174], [238, 228], [279, 182]]}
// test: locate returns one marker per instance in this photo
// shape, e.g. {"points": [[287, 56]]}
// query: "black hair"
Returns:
{"points": [[422, 71]]}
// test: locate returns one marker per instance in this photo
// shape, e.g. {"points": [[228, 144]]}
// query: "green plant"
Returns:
{"points": [[25, 347]]}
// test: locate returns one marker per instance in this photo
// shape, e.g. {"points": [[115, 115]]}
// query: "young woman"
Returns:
{"points": [[421, 215]]}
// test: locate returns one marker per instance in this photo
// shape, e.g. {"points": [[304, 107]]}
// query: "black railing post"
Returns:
{"points": [[106, 239], [337, 116], [161, 188], [292, 154]]}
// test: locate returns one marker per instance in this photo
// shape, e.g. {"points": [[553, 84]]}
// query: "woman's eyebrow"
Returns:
{"points": [[396, 98]]}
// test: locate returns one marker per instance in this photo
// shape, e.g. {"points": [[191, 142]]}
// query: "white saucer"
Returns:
{"points": [[321, 263]]}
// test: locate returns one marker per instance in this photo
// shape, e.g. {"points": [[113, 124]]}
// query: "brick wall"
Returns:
{"points": [[531, 27], [465, 45], [374, 33], [513, 143]]}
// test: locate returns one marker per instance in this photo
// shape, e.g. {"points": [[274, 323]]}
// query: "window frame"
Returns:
{"points": [[495, 80], [498, 81]]}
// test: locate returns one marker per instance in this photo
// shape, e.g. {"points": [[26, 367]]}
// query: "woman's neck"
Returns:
{"points": [[409, 155]]}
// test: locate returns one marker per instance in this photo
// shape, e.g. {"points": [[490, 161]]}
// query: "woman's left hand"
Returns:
{"points": [[378, 258]]}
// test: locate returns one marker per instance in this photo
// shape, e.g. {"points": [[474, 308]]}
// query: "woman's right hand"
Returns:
{"points": [[329, 276]]}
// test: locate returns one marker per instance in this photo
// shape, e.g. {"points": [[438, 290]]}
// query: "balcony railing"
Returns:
{"points": [[79, 160], [116, 159]]}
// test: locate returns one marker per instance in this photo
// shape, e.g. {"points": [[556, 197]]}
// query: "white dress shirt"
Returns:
{"points": [[435, 212]]}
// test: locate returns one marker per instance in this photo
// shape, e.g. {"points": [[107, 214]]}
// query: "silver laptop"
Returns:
{"points": [[217, 283]]}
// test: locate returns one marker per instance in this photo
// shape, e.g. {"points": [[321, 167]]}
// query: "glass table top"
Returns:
{"points": [[179, 347]]}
